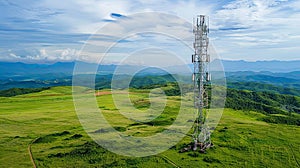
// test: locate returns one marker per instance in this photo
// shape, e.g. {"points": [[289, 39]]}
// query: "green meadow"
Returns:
{"points": [[45, 124]]}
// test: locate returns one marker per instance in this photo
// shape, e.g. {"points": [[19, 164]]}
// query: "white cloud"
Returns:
{"points": [[45, 55], [264, 24], [244, 27]]}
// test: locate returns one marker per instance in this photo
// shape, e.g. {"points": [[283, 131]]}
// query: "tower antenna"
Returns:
{"points": [[201, 79]]}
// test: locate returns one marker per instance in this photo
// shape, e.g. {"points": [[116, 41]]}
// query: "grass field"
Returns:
{"points": [[47, 120]]}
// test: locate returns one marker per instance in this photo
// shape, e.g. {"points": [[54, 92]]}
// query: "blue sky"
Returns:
{"points": [[53, 30]]}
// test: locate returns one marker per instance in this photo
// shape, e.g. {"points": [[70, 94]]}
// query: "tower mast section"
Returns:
{"points": [[201, 79]]}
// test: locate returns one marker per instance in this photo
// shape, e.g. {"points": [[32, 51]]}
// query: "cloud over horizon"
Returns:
{"points": [[51, 30]]}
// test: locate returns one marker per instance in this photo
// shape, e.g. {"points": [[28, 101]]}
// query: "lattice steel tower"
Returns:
{"points": [[201, 79]]}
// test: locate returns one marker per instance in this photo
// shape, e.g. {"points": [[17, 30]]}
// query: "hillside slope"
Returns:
{"points": [[240, 140]]}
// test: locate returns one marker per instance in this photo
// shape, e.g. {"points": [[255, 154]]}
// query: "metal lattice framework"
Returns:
{"points": [[201, 78]]}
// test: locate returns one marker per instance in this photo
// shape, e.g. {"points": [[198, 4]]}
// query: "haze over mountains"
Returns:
{"points": [[284, 74], [272, 66], [8, 69]]}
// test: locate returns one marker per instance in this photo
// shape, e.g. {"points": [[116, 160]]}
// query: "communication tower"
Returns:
{"points": [[201, 79]]}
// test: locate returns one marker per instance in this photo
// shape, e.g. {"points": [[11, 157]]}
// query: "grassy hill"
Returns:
{"points": [[46, 123]]}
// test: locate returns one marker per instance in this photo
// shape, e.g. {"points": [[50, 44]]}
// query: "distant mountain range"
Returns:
{"points": [[283, 76], [272, 66], [8, 69]]}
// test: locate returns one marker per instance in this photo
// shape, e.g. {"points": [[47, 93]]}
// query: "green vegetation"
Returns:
{"points": [[243, 138], [267, 103], [263, 87], [20, 91], [270, 103]]}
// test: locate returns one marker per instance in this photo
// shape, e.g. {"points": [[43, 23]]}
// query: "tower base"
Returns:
{"points": [[199, 146]]}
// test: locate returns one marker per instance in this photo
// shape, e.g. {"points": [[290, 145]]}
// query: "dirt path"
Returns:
{"points": [[169, 160], [30, 153], [115, 92], [102, 93], [294, 156]]}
